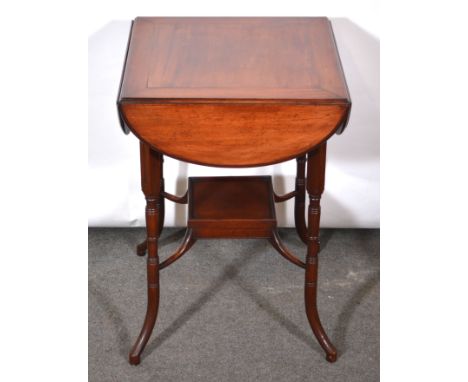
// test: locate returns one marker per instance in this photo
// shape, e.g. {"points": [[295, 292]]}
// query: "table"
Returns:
{"points": [[233, 92]]}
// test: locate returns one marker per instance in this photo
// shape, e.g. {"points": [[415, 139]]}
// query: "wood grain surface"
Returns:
{"points": [[233, 92], [233, 135]]}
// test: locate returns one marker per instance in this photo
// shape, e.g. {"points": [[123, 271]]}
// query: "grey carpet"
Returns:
{"points": [[233, 310]]}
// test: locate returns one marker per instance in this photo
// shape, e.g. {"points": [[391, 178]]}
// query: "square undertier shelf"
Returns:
{"points": [[231, 207]]}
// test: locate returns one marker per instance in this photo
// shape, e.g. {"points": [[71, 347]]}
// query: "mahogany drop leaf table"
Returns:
{"points": [[233, 92]]}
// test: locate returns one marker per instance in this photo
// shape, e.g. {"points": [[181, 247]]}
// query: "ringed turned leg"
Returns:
{"points": [[315, 185], [299, 201], [151, 185], [143, 246]]}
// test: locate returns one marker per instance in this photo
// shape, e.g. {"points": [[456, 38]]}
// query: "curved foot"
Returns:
{"points": [[283, 251], [148, 325], [331, 357], [142, 248], [315, 324], [134, 359]]}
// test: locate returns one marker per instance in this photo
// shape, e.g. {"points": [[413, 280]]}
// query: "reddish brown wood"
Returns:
{"points": [[234, 207], [233, 58], [285, 197], [315, 185], [176, 199], [224, 135], [142, 248], [283, 251], [187, 243], [231, 207], [233, 92], [299, 201], [162, 207], [151, 185]]}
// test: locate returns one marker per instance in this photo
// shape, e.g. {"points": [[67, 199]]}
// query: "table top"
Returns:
{"points": [[233, 58], [245, 86]]}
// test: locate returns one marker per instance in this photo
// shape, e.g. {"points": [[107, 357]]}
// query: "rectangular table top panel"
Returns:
{"points": [[213, 59]]}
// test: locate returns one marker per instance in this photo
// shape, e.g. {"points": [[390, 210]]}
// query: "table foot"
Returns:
{"points": [[141, 248], [148, 325], [314, 321], [134, 359]]}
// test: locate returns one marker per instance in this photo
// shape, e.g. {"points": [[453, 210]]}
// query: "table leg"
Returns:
{"points": [[161, 198], [143, 246], [299, 200], [315, 185], [151, 185]]}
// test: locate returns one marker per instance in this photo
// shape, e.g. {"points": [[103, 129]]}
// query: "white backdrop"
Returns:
{"points": [[351, 197]]}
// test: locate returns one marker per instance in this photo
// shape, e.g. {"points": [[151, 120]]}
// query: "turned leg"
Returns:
{"points": [[151, 185], [315, 184], [299, 201], [143, 246]]}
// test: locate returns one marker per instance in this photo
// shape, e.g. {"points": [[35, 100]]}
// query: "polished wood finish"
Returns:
{"points": [[176, 199], [299, 201], [231, 207], [234, 135], [142, 248], [221, 91], [187, 243], [233, 58], [235, 207], [285, 197], [283, 251], [233, 92], [162, 205], [228, 207], [151, 180], [315, 185]]}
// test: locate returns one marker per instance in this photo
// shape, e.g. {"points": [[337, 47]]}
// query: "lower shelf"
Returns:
{"points": [[231, 207]]}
